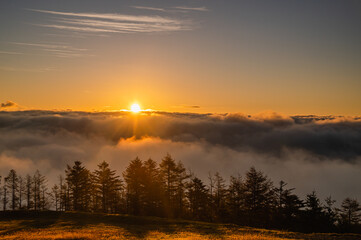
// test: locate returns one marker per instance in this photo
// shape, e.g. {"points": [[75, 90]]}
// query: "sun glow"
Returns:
{"points": [[135, 108]]}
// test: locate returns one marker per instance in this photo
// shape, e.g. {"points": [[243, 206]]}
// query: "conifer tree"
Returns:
{"points": [[219, 197], [169, 178], [133, 177], [55, 194], [13, 187], [5, 194], [182, 177], [350, 212], [330, 212], [153, 189], [288, 206], [39, 188], [107, 185], [197, 195], [235, 199], [259, 197], [22, 188], [62, 193], [28, 191], [79, 182]]}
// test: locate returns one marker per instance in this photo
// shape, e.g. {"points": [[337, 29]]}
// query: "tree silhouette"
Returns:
{"points": [[13, 186], [350, 212], [153, 195], [288, 206], [39, 182], [235, 199], [134, 186], [21, 191], [78, 180], [55, 194], [28, 191], [218, 198], [169, 177], [182, 176], [330, 212], [107, 185], [167, 190], [197, 194], [259, 197]]}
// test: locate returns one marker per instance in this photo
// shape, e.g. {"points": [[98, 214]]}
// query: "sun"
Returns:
{"points": [[135, 108]]}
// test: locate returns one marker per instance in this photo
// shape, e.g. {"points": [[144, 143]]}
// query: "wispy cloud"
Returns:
{"points": [[149, 8], [173, 9], [114, 23], [73, 28], [201, 9], [33, 70], [114, 17], [58, 50], [10, 53], [75, 35]]}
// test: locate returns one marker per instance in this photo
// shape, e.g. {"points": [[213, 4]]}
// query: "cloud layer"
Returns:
{"points": [[329, 138], [323, 149]]}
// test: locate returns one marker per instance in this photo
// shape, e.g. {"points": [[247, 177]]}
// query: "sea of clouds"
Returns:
{"points": [[308, 152]]}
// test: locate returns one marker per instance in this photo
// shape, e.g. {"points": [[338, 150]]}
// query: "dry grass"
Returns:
{"points": [[98, 226]]}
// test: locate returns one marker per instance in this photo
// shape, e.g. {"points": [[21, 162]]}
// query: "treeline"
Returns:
{"points": [[168, 190]]}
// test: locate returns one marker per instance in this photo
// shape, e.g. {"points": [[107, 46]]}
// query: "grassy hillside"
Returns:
{"points": [[56, 225]]}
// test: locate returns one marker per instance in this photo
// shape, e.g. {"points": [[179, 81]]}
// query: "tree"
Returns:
{"points": [[218, 198], [197, 195], [5, 196], [55, 194], [63, 198], [350, 212], [181, 176], [169, 177], [28, 191], [314, 218], [280, 192], [107, 184], [259, 197], [79, 182], [235, 199], [134, 186], [22, 188], [39, 187], [153, 192], [330, 212], [313, 204], [288, 207], [13, 186]]}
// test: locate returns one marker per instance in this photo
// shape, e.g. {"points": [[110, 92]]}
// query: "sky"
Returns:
{"points": [[292, 57], [229, 84]]}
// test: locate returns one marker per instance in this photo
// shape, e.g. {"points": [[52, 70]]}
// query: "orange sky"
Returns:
{"points": [[206, 57]]}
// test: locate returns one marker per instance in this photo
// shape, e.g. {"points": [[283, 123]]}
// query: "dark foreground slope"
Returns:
{"points": [[69, 225]]}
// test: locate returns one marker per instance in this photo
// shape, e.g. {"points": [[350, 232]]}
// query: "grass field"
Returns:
{"points": [[56, 225]]}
